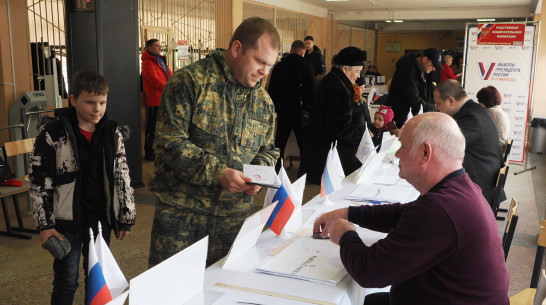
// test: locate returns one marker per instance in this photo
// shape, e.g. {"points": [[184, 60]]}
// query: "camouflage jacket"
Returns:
{"points": [[55, 182], [207, 122]]}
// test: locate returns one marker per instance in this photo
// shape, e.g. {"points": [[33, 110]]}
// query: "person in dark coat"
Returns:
{"points": [[336, 116], [291, 86], [314, 57], [483, 156], [408, 89]]}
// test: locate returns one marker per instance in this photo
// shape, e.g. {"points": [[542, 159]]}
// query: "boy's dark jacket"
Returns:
{"points": [[55, 177]]}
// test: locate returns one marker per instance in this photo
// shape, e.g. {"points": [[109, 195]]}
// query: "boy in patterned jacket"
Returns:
{"points": [[78, 177]]}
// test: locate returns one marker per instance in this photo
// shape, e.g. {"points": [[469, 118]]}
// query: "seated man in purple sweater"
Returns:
{"points": [[442, 248]]}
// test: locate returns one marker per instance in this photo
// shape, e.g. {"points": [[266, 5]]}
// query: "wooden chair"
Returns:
{"points": [[541, 244], [510, 227], [536, 292], [11, 149], [501, 180], [507, 149]]}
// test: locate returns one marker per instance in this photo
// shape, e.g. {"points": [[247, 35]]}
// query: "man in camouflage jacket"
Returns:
{"points": [[214, 117]]}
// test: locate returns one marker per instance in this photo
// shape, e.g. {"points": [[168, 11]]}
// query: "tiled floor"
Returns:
{"points": [[25, 268]]}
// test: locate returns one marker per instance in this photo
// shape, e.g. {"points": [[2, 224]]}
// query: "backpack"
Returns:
{"points": [[5, 171]]}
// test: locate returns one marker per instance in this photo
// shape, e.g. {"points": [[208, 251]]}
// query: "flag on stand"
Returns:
{"points": [[333, 173], [97, 289], [366, 149], [282, 212], [372, 96], [110, 269]]}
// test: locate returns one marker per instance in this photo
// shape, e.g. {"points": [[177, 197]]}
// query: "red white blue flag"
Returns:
{"points": [[333, 173], [97, 290], [284, 209], [372, 96], [113, 275]]}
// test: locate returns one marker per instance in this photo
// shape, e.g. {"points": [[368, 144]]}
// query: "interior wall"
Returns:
{"points": [[539, 104], [386, 61], [11, 88]]}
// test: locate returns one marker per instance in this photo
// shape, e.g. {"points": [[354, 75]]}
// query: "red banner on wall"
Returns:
{"points": [[501, 34]]}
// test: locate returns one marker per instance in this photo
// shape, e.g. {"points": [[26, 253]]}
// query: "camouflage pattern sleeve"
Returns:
{"points": [[268, 154], [175, 152]]}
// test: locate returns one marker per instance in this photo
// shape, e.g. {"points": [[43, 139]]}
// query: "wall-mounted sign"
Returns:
{"points": [[183, 51], [393, 47], [511, 34]]}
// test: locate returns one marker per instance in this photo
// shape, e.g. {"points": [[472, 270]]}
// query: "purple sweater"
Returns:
{"points": [[442, 248]]}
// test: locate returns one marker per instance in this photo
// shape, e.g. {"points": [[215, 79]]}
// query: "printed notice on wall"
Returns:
{"points": [[183, 50], [512, 34]]}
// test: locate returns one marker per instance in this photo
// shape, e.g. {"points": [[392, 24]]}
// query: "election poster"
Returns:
{"points": [[505, 60]]}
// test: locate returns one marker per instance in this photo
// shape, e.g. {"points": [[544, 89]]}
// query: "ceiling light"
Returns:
{"points": [[398, 21], [485, 20], [389, 21]]}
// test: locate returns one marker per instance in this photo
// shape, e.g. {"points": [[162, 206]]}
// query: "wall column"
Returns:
{"points": [[14, 58], [237, 13]]}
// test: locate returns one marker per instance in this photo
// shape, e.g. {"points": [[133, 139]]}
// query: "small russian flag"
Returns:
{"points": [[282, 212], [333, 173], [372, 96], [97, 290]]}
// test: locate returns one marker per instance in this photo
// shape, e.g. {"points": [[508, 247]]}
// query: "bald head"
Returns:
{"points": [[443, 134], [432, 148]]}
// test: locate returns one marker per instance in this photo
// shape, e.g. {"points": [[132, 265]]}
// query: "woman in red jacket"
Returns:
{"points": [[155, 74], [447, 72]]}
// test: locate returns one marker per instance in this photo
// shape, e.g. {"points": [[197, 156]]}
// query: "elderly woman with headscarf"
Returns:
{"points": [[337, 116]]}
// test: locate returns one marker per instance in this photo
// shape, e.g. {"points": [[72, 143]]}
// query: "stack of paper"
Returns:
{"points": [[309, 259], [383, 193]]}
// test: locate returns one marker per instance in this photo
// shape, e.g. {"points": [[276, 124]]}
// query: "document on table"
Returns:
{"points": [[384, 193], [315, 260]]}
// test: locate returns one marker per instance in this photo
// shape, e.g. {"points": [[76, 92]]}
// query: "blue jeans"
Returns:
{"points": [[66, 270]]}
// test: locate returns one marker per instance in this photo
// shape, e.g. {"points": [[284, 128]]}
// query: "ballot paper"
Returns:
{"points": [[305, 258], [383, 193], [261, 175]]}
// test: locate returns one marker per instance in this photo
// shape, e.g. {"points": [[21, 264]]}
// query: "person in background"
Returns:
{"points": [[457, 65], [155, 74], [372, 70], [336, 116], [409, 89], [314, 57], [490, 98], [447, 72], [381, 118], [214, 117], [483, 156], [79, 176], [442, 248], [291, 87]]}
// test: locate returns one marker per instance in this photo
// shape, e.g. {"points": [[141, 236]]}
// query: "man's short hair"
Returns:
{"points": [[251, 29], [297, 46], [452, 88], [448, 143], [89, 81], [489, 96], [151, 42], [309, 38]]}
